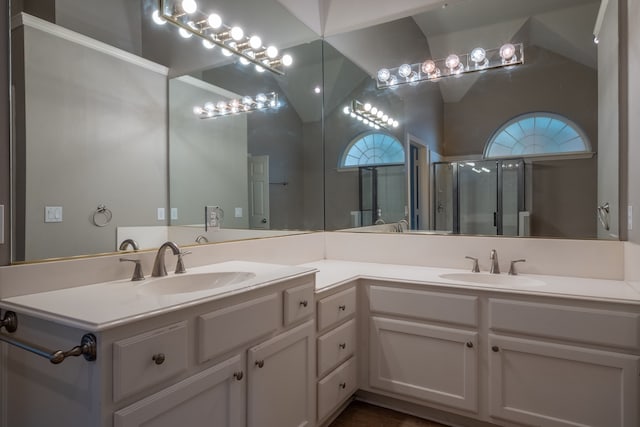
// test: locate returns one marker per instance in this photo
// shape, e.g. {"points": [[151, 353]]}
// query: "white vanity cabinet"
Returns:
{"points": [[562, 365], [336, 344], [424, 345], [280, 380], [232, 362], [211, 397]]}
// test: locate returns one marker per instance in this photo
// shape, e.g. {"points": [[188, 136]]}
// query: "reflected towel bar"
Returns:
{"points": [[87, 348]]}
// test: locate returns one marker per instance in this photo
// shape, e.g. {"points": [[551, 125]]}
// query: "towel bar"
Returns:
{"points": [[87, 348]]}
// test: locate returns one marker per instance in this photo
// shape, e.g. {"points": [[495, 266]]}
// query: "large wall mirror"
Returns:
{"points": [[112, 138]]}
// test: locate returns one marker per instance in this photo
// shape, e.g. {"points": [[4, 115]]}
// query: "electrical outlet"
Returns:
{"points": [[160, 214], [174, 213], [238, 212]]}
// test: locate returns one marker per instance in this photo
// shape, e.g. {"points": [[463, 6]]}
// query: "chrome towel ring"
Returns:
{"points": [[101, 216]]}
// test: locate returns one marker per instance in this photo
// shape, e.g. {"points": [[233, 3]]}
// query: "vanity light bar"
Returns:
{"points": [[370, 115], [190, 21], [246, 104], [478, 59]]}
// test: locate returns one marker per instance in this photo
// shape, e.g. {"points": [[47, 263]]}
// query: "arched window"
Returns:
{"points": [[537, 134], [372, 148]]}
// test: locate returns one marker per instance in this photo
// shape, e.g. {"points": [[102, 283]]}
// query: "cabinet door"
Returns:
{"points": [[280, 388], [426, 362], [213, 397], [550, 384]]}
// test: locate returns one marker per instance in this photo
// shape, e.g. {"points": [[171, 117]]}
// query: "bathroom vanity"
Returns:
{"points": [[290, 346]]}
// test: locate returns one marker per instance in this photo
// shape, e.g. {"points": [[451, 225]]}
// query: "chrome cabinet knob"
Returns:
{"points": [[343, 345], [495, 349], [259, 363], [469, 344], [238, 375], [342, 307], [342, 385], [264, 220], [304, 303], [158, 358]]}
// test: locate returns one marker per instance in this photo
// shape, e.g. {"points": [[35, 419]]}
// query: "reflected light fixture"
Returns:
{"points": [[370, 115], [210, 28], [479, 59], [244, 104]]}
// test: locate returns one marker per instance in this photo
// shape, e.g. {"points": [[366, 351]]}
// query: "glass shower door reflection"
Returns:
{"points": [[478, 197]]}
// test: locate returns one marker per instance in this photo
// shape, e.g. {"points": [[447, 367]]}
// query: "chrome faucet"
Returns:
{"points": [[159, 268], [495, 267], [129, 242], [512, 268]]}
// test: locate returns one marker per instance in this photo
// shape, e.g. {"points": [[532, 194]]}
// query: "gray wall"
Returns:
{"points": [[91, 115], [633, 114], [208, 158]]}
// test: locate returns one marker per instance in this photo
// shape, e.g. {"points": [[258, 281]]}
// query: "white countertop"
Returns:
{"points": [[333, 273], [104, 305]]}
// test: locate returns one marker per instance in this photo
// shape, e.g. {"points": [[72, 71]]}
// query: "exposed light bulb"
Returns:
{"points": [[244, 61], [384, 74], [234, 103], [380, 114], [157, 18], [234, 109], [365, 121], [385, 118], [353, 115], [221, 105], [376, 127], [367, 107], [452, 62], [478, 55], [209, 106], [404, 70], [259, 68], [208, 44], [390, 121], [189, 6], [428, 67], [273, 103], [247, 100], [359, 118], [395, 124], [346, 110], [255, 42], [227, 52], [237, 33], [596, 40], [197, 110], [374, 111], [184, 33], [215, 21], [317, 89], [272, 52], [261, 97], [287, 60], [507, 52], [393, 81]]}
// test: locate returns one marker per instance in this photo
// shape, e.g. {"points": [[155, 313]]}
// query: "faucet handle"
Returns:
{"points": [[137, 271], [475, 268], [180, 264], [512, 268]]}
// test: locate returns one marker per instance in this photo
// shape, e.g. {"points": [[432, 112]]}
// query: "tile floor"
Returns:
{"points": [[359, 414]]}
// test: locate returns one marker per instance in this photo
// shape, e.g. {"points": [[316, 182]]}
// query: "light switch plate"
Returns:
{"points": [[53, 214], [238, 212], [630, 217], [174, 213], [161, 214]]}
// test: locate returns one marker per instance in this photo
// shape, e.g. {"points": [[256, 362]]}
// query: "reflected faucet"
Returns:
{"points": [[159, 267], [495, 267], [129, 242]]}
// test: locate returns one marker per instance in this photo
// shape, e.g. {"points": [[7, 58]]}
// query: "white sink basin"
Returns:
{"points": [[493, 279], [185, 283]]}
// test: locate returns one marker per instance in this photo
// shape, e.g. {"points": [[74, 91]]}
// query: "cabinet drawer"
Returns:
{"points": [[434, 306], [336, 346], [336, 388], [223, 330], [148, 359], [580, 325], [333, 309], [298, 303]]}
